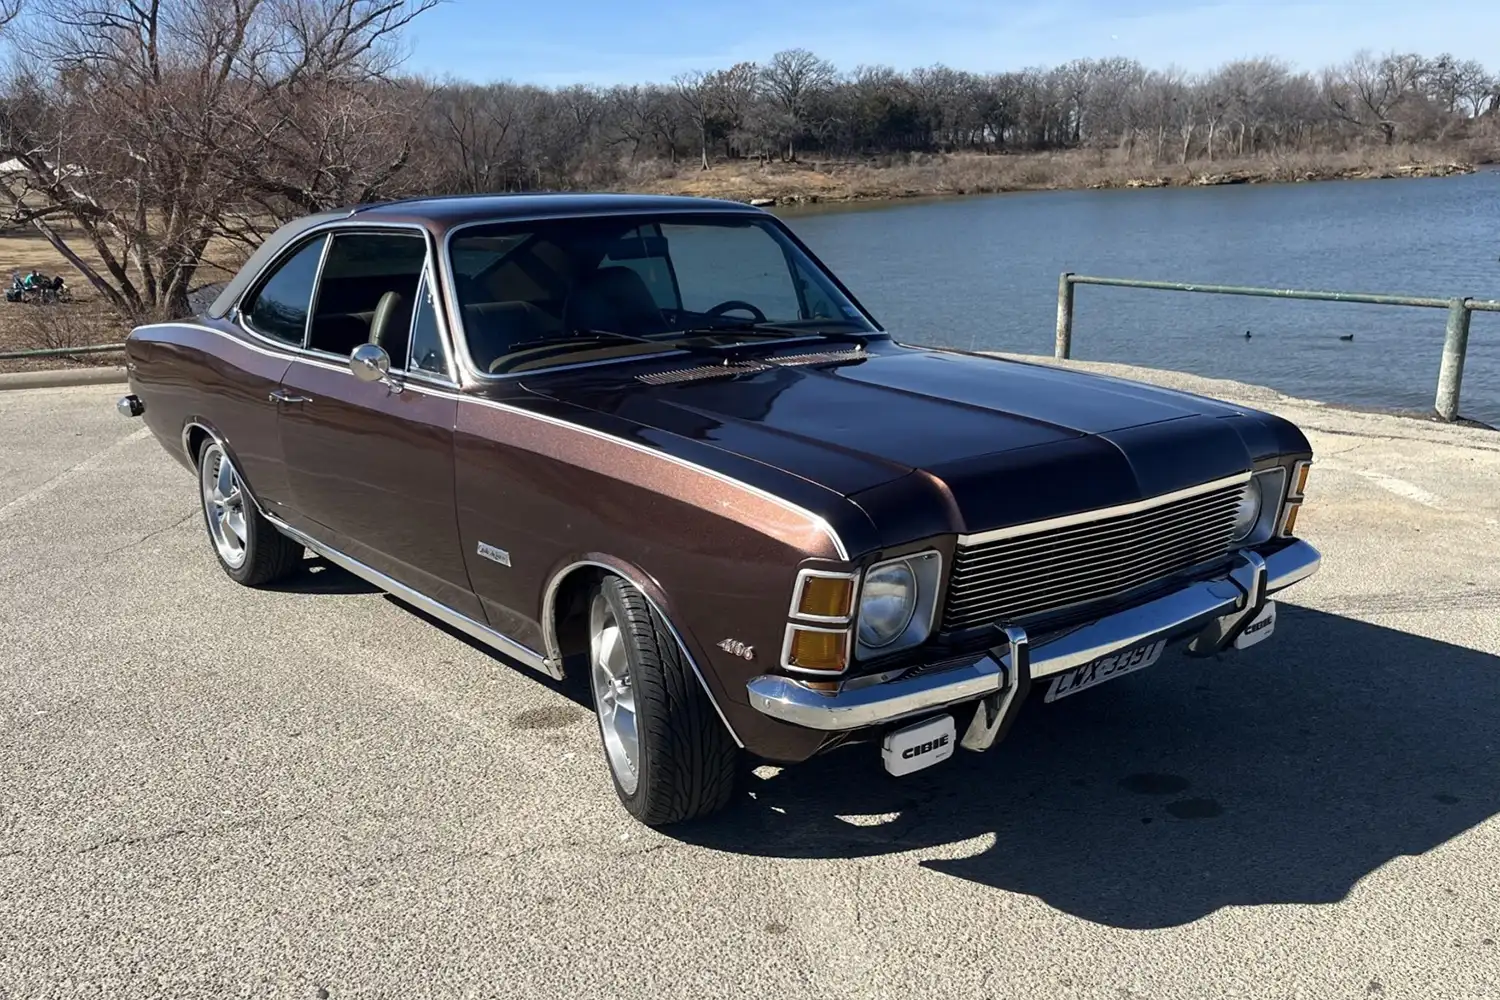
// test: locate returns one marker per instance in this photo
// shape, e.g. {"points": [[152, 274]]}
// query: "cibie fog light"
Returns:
{"points": [[887, 604], [1247, 514]]}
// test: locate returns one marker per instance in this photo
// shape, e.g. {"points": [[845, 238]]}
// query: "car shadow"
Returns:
{"points": [[1282, 774], [319, 576], [574, 688]]}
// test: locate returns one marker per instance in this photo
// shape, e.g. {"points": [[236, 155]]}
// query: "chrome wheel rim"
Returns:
{"points": [[224, 505], [614, 695]]}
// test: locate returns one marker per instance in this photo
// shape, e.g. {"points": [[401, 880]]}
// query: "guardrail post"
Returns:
{"points": [[1064, 347], [1455, 347]]}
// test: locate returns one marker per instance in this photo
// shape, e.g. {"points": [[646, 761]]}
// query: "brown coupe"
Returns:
{"points": [[655, 443]]}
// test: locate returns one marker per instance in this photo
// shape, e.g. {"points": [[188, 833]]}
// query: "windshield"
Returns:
{"points": [[568, 291]]}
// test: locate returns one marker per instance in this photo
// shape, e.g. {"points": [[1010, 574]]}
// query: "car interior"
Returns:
{"points": [[546, 288], [368, 293]]}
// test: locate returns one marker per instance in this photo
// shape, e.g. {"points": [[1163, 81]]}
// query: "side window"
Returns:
{"points": [[645, 252], [715, 264], [367, 293], [279, 308], [426, 344]]}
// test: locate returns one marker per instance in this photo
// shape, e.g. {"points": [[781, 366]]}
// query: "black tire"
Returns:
{"points": [[268, 555], [687, 763]]}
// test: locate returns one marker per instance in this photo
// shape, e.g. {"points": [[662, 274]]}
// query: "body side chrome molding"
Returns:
{"points": [[442, 612], [554, 650], [815, 520], [1102, 513], [450, 392]]}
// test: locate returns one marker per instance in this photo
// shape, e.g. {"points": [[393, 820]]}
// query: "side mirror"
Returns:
{"points": [[369, 362]]}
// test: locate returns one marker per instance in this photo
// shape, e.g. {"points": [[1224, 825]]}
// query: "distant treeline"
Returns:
{"points": [[145, 141], [512, 136]]}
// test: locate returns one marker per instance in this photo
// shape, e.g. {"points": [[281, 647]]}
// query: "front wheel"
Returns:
{"points": [[248, 547], [669, 753]]}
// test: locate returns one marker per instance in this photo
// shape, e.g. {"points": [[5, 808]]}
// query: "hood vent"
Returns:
{"points": [[699, 373], [819, 357]]}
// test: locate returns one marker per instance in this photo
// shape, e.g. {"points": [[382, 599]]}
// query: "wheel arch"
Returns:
{"points": [[565, 616], [196, 430]]}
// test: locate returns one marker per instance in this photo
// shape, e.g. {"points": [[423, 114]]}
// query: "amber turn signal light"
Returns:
{"points": [[817, 649], [1290, 524], [1299, 488], [826, 597]]}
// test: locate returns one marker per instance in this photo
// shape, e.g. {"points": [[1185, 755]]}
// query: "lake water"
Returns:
{"points": [[981, 272]]}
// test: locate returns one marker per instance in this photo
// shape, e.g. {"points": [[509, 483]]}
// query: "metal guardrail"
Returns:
{"points": [[61, 352], [1455, 343]]}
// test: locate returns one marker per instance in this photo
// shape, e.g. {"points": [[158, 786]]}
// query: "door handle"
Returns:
{"points": [[282, 396]]}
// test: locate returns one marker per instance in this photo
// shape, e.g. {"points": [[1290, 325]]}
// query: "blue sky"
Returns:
{"points": [[609, 41]]}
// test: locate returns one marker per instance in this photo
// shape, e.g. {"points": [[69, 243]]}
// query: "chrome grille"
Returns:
{"points": [[1035, 569]]}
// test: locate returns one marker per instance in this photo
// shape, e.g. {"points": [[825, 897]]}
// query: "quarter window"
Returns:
{"points": [[279, 308], [426, 343]]}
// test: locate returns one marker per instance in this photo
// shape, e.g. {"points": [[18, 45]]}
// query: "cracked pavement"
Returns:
{"points": [[210, 791]]}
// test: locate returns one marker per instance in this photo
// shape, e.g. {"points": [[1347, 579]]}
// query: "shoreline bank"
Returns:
{"points": [[780, 184]]}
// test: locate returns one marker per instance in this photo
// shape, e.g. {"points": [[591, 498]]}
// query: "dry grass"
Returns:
{"points": [[928, 175], [87, 319]]}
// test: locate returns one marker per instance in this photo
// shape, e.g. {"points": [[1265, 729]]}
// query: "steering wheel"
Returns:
{"points": [[724, 307]]}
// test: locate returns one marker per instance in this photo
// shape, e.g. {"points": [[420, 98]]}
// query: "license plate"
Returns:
{"points": [[1106, 668]]}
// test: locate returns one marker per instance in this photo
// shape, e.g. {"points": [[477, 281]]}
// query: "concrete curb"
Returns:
{"points": [[61, 377]]}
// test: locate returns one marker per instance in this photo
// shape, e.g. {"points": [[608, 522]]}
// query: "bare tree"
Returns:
{"points": [[698, 96], [152, 128], [1365, 91], [792, 78]]}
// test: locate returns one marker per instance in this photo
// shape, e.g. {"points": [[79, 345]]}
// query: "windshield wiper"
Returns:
{"points": [[725, 353], [775, 331]]}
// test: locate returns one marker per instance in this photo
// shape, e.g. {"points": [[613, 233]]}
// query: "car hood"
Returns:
{"points": [[1006, 441]]}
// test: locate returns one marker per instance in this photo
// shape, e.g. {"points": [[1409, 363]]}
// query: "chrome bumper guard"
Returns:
{"points": [[1214, 609]]}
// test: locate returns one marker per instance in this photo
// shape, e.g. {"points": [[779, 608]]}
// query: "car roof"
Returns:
{"points": [[458, 209], [439, 214]]}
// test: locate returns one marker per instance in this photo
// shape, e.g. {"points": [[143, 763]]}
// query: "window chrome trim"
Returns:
{"points": [[786, 650], [461, 337], [317, 293], [301, 351], [1102, 513], [803, 575], [264, 277], [427, 284]]}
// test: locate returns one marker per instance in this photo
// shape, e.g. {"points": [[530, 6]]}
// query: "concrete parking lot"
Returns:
{"points": [[315, 792]]}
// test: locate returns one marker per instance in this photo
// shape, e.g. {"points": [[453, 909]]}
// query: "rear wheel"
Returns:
{"points": [[669, 753], [249, 548]]}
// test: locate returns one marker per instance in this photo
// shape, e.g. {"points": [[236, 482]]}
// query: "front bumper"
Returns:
{"points": [[1213, 611]]}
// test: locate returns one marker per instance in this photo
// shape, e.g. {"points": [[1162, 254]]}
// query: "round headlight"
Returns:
{"points": [[886, 604], [1247, 514]]}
